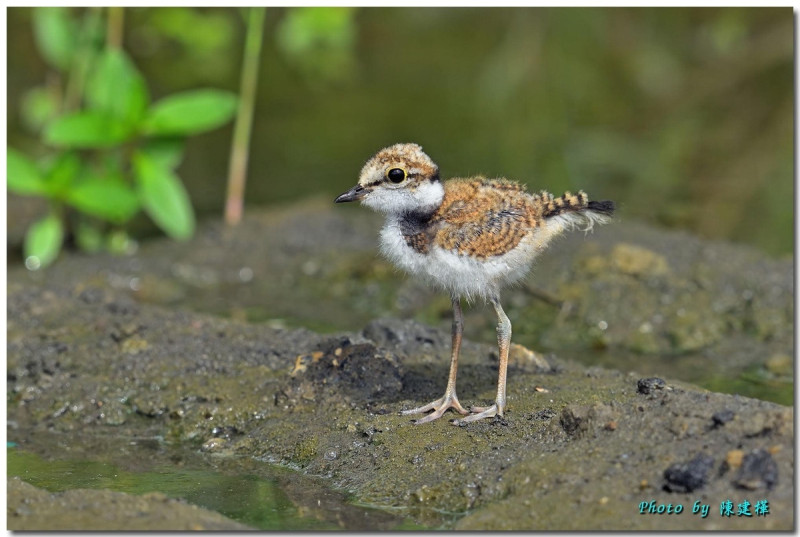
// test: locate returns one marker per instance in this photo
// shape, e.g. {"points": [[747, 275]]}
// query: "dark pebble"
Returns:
{"points": [[758, 470], [543, 415], [649, 385], [722, 417], [688, 476], [574, 418], [499, 420], [92, 295]]}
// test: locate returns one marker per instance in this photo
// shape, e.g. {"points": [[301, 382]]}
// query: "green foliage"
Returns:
{"points": [[108, 198], [164, 197], [22, 175], [319, 41], [167, 151], [201, 32], [190, 112], [88, 237], [114, 153], [116, 89], [39, 106], [43, 242], [87, 130], [56, 36], [61, 173]]}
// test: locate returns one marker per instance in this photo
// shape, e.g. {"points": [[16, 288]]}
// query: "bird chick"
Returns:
{"points": [[470, 237]]}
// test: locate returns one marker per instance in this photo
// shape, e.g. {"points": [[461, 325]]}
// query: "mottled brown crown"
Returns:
{"points": [[408, 157]]}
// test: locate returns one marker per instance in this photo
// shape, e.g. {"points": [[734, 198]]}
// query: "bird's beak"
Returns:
{"points": [[354, 194]]}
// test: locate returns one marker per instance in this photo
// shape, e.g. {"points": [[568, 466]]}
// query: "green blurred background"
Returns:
{"points": [[684, 116]]}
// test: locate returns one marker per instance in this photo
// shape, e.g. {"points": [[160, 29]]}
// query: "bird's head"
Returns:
{"points": [[398, 179]]}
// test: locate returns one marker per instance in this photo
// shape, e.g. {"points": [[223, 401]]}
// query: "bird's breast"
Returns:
{"points": [[405, 249]]}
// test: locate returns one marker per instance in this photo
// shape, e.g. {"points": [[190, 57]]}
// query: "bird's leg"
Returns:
{"points": [[503, 342], [449, 400]]}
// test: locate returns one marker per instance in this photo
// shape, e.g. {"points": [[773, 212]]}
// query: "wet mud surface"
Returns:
{"points": [[33, 509], [103, 346]]}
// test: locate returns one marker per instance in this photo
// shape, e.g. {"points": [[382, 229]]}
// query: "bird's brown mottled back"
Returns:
{"points": [[482, 217]]}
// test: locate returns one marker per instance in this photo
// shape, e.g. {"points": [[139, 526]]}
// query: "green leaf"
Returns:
{"points": [[87, 130], [88, 237], [163, 197], [116, 88], [39, 106], [22, 176], [56, 35], [190, 112], [319, 41], [199, 31], [167, 151], [107, 198], [306, 30], [61, 173], [119, 242], [43, 242]]}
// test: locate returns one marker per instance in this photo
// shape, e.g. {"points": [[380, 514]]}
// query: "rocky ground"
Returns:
{"points": [[104, 346]]}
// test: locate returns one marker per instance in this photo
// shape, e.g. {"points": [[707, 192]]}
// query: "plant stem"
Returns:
{"points": [[240, 147], [83, 59], [115, 27]]}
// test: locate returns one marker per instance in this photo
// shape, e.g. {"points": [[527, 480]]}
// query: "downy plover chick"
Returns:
{"points": [[471, 237]]}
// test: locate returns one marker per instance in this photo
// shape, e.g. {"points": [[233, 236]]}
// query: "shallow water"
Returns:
{"points": [[258, 494]]}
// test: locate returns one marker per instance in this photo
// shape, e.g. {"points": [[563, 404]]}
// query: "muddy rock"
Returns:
{"points": [[94, 351], [574, 440]]}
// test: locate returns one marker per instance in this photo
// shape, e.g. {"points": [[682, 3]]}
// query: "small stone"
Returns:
{"points": [[471, 492], [225, 431], [424, 494], [734, 458], [722, 417], [574, 418], [370, 431], [543, 415], [688, 476], [649, 385], [638, 261], [134, 345], [758, 470], [525, 357], [213, 444]]}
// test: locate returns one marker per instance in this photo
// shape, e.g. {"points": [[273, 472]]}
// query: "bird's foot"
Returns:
{"points": [[479, 413], [439, 407]]}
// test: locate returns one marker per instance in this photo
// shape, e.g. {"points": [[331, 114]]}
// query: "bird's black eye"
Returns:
{"points": [[396, 175]]}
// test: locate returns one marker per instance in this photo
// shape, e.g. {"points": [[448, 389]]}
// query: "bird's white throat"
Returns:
{"points": [[426, 197]]}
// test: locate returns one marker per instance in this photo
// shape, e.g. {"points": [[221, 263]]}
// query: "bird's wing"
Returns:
{"points": [[482, 220]]}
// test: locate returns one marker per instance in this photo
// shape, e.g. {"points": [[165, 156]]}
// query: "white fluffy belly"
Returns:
{"points": [[462, 275]]}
